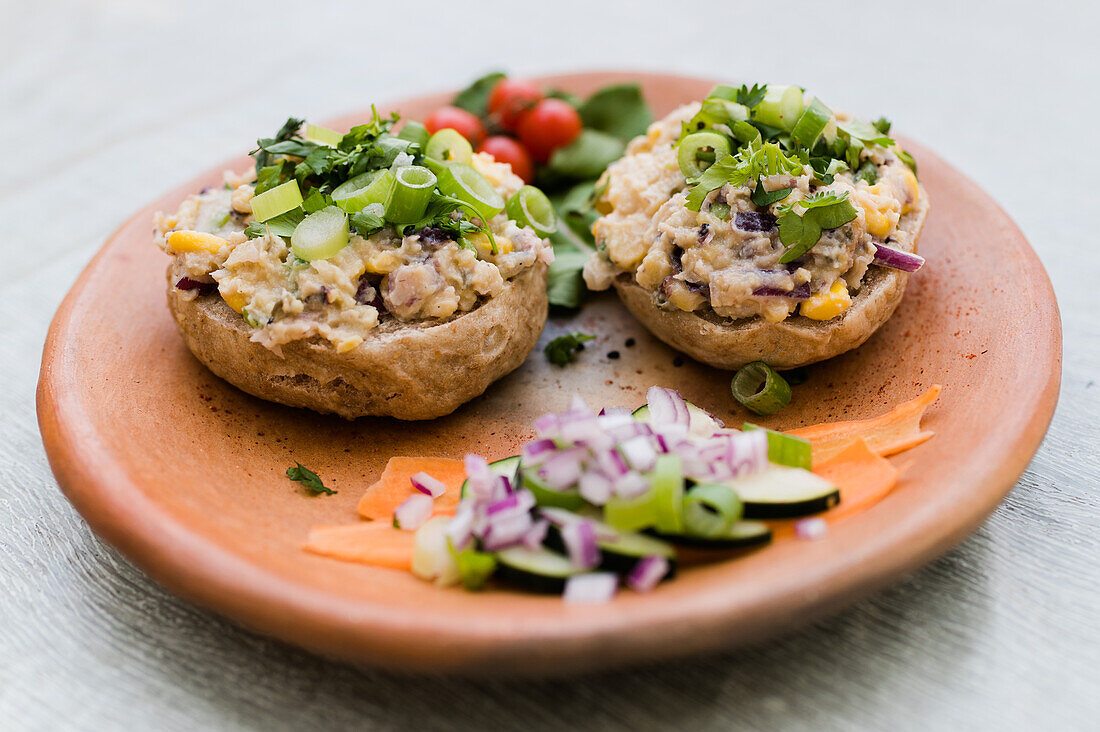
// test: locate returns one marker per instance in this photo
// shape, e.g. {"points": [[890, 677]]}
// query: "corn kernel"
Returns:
{"points": [[195, 241], [878, 222], [235, 300], [827, 304], [912, 190], [685, 299], [504, 245], [383, 262]]}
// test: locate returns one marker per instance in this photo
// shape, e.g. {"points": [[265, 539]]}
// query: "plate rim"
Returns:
{"points": [[208, 575]]}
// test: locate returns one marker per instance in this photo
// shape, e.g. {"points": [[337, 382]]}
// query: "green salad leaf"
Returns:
{"points": [[618, 110], [309, 479], [587, 156], [565, 286], [563, 349], [475, 97]]}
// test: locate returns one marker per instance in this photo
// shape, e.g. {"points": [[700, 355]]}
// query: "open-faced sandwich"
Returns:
{"points": [[759, 226], [370, 273]]}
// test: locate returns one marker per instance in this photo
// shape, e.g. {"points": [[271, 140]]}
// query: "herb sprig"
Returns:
{"points": [[301, 474], [563, 349]]}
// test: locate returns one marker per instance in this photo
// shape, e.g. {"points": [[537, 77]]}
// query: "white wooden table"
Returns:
{"points": [[104, 105]]}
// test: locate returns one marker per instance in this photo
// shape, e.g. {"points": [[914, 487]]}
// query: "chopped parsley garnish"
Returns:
{"points": [[821, 211], [309, 479], [751, 97], [811, 141], [563, 349]]}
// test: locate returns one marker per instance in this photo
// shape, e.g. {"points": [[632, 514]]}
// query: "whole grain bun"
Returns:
{"points": [[796, 341], [414, 370]]}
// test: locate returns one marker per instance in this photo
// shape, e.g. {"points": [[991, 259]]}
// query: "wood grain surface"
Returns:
{"points": [[111, 103]]}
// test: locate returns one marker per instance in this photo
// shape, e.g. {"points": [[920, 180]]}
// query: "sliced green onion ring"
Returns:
{"points": [[720, 210], [471, 187], [323, 135], [448, 146], [530, 207], [760, 388], [320, 235], [356, 194], [710, 510], [810, 126], [781, 107], [697, 151], [631, 514], [278, 200], [413, 131], [474, 567], [411, 192], [668, 494], [784, 449]]}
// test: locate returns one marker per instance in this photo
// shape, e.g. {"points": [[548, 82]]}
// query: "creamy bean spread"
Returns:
{"points": [[725, 257]]}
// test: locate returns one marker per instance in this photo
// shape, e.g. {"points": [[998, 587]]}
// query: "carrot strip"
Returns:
{"points": [[373, 543], [863, 476], [887, 434], [395, 485]]}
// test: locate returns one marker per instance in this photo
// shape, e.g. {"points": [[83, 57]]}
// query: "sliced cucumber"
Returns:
{"points": [[619, 550], [780, 492], [741, 535], [546, 496], [701, 422], [508, 467], [538, 570]]}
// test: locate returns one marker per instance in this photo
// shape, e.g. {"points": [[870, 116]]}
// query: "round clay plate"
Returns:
{"points": [[185, 474]]}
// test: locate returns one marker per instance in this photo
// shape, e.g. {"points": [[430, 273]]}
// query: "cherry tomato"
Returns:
{"points": [[510, 99], [459, 120], [553, 123], [508, 150]]}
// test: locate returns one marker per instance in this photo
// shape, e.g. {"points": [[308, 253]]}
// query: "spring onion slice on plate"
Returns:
{"points": [[760, 388]]}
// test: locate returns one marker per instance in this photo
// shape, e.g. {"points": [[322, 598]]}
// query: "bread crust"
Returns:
{"points": [[796, 341], [409, 370]]}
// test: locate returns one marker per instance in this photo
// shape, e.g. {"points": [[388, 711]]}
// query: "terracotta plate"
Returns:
{"points": [[184, 474]]}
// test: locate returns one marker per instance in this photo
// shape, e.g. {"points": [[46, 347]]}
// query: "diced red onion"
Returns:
{"points": [[414, 511], [517, 502], [639, 453], [547, 424], [612, 463], [811, 528], [595, 488], [479, 474], [538, 450], [897, 259], [630, 485], [593, 587], [615, 412], [536, 534], [647, 573], [802, 292], [428, 485], [507, 531], [748, 453], [460, 528], [579, 538], [563, 469], [626, 431], [618, 419], [667, 406]]}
